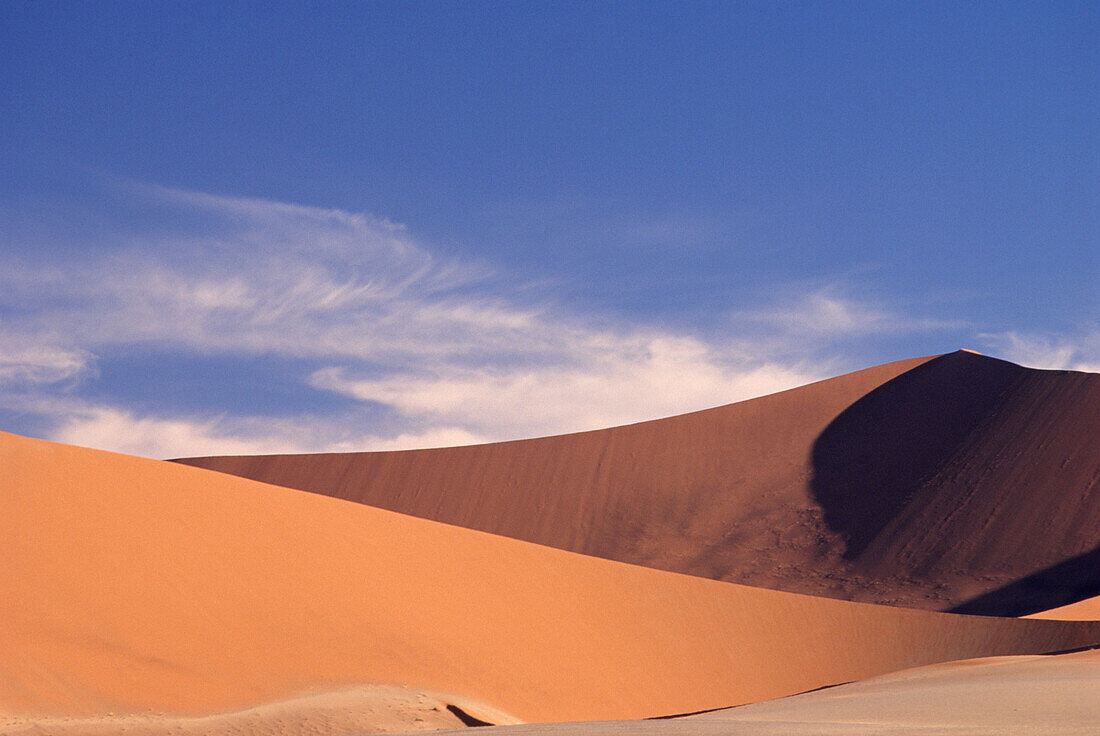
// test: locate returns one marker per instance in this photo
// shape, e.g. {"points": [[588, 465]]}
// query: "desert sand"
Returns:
{"points": [[365, 709], [130, 585], [1086, 610], [957, 482], [1022, 696]]}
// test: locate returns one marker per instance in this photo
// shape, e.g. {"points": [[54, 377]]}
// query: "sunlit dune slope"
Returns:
{"points": [[129, 584], [1086, 610], [931, 483]]}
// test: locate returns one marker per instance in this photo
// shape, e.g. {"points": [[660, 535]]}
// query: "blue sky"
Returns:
{"points": [[377, 225]]}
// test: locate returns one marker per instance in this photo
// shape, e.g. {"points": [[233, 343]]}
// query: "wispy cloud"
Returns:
{"points": [[1055, 352], [32, 365], [454, 356], [606, 380], [249, 277], [124, 431], [828, 313]]}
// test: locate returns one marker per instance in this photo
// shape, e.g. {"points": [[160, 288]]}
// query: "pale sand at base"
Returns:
{"points": [[999, 696], [372, 709]]}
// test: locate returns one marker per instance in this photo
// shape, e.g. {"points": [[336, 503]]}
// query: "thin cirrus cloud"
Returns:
{"points": [[450, 355], [36, 364], [827, 313], [1052, 352]]}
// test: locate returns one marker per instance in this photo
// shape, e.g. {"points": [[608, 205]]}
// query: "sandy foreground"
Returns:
{"points": [[1022, 696], [371, 709], [957, 482], [129, 585], [1053, 694]]}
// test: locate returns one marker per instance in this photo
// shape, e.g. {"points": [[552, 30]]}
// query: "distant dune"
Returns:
{"points": [[957, 482], [129, 585]]}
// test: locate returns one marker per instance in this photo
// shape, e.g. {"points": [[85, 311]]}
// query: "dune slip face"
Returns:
{"points": [[129, 584], [957, 482]]}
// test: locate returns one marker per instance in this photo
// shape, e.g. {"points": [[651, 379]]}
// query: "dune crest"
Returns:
{"points": [[957, 482], [129, 584]]}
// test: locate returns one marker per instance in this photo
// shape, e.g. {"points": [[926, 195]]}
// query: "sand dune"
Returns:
{"points": [[129, 584], [997, 695], [1025, 696], [955, 482], [371, 709], [1086, 610]]}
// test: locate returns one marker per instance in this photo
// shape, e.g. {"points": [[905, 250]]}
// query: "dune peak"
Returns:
{"points": [[937, 483]]}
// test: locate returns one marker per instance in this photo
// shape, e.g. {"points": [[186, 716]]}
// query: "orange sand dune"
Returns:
{"points": [[959, 481], [129, 584], [1086, 610]]}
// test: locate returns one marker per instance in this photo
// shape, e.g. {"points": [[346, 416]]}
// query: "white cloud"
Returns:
{"points": [[1053, 352], [119, 430], [610, 380], [434, 437], [828, 314], [456, 356], [36, 365]]}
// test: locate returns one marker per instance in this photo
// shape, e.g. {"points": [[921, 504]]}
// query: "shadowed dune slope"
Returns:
{"points": [[929, 483], [129, 584]]}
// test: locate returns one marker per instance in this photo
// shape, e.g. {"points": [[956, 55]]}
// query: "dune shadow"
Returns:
{"points": [[467, 719], [870, 461], [1067, 582]]}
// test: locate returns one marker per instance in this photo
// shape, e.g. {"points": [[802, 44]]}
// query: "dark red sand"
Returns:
{"points": [[958, 482]]}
